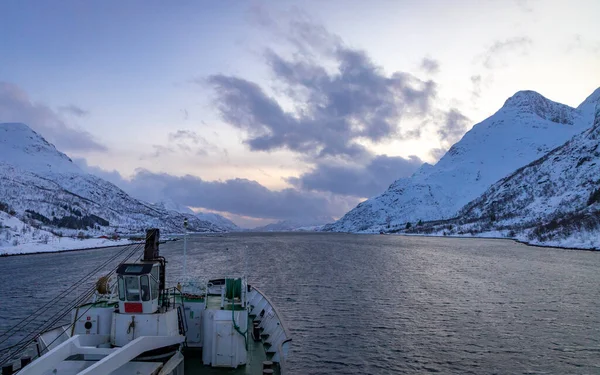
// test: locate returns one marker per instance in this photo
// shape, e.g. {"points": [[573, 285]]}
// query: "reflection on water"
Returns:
{"points": [[383, 304]]}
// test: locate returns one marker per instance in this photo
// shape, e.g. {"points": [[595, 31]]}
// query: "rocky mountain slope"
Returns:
{"points": [[527, 127], [42, 187]]}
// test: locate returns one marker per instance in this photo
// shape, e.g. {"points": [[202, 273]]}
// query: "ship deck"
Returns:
{"points": [[256, 351], [256, 355]]}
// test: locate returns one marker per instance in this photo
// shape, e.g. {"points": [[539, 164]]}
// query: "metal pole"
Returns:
{"points": [[185, 224], [246, 262]]}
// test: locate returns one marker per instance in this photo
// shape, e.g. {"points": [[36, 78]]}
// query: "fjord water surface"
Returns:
{"points": [[371, 304]]}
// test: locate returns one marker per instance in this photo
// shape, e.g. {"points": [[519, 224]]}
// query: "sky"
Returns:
{"points": [[290, 110]]}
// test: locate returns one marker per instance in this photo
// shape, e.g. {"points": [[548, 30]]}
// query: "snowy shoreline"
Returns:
{"points": [[20, 238], [524, 242], [71, 244]]}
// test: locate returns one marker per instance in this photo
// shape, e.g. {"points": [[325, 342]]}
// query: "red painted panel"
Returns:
{"points": [[133, 307]]}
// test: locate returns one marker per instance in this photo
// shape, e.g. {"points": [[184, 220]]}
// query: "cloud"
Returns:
{"points": [[237, 196], [455, 126], [357, 180], [430, 65], [577, 42], [297, 29], [113, 176], [437, 153], [495, 55], [339, 97], [16, 106], [185, 135], [476, 82], [74, 110], [191, 142], [159, 150], [184, 141], [525, 5]]}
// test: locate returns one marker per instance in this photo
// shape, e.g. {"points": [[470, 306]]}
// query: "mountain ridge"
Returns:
{"points": [[525, 128], [554, 200], [25, 148], [219, 220], [45, 188]]}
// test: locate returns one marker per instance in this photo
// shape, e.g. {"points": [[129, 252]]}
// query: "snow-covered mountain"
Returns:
{"points": [[292, 226], [527, 127], [171, 205], [219, 220], [555, 199], [42, 186]]}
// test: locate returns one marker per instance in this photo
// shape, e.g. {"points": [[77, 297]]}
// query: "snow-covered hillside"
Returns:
{"points": [[527, 127], [41, 186], [554, 200], [17, 237]]}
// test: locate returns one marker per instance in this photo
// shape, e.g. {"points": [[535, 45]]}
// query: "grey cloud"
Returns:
{"points": [[298, 29], [476, 82], [16, 106], [186, 141], [74, 110], [310, 37], [334, 110], [159, 150], [361, 181], [437, 153], [260, 16], [412, 133], [237, 196], [451, 126], [183, 135], [494, 56], [336, 98], [430, 65], [113, 176], [455, 125], [190, 141]]}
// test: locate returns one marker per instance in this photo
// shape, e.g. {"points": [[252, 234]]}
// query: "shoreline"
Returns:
{"points": [[592, 249], [67, 250], [93, 244]]}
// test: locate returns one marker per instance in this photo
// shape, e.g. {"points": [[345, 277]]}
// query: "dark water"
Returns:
{"points": [[385, 304]]}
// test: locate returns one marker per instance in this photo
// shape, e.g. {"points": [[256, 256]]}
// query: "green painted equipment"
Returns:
{"points": [[233, 288]]}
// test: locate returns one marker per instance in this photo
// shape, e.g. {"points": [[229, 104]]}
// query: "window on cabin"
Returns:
{"points": [[145, 288], [132, 288], [154, 282], [121, 288]]}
